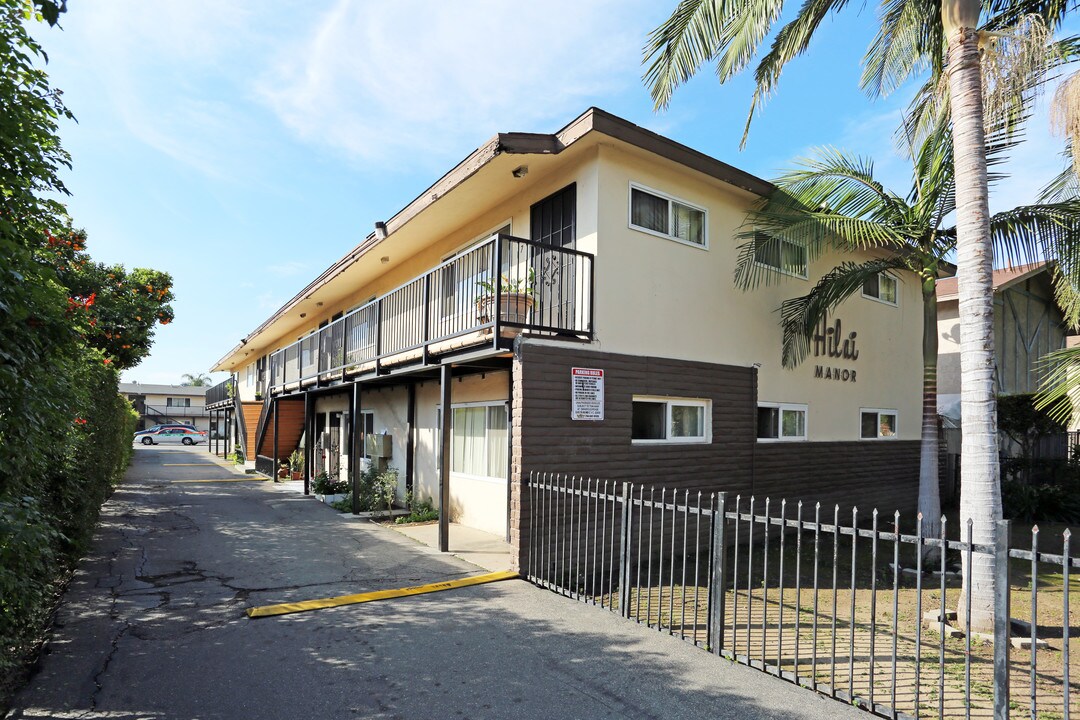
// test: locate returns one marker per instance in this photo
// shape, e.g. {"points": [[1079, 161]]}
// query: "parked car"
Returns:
{"points": [[162, 426], [171, 435]]}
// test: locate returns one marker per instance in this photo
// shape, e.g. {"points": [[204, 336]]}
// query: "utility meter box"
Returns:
{"points": [[380, 445]]}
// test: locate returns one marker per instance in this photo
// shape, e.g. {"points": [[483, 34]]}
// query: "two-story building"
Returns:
{"points": [[565, 303], [158, 404]]}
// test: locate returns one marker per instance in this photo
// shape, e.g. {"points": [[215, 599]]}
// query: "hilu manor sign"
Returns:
{"points": [[830, 343]]}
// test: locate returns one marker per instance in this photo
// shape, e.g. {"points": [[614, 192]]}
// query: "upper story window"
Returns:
{"points": [[670, 420], [781, 421], [878, 424], [881, 287], [784, 256], [656, 213], [177, 402]]}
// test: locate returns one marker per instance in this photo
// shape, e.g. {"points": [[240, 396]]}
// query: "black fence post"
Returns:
{"points": [[1001, 621], [718, 576], [624, 554]]}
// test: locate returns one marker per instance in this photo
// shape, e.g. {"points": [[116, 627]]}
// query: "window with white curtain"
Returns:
{"points": [[670, 420], [669, 217], [478, 440]]}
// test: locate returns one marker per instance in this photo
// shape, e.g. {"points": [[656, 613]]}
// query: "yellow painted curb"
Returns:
{"points": [[288, 608], [221, 480]]}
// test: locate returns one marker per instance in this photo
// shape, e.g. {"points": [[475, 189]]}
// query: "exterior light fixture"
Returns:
{"points": [[520, 171], [380, 230], [384, 259], [303, 315]]}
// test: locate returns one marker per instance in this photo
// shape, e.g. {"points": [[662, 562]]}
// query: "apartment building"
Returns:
{"points": [[158, 404], [565, 303]]}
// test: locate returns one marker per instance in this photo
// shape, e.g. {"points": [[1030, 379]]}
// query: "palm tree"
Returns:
{"points": [[200, 380], [915, 35], [833, 202]]}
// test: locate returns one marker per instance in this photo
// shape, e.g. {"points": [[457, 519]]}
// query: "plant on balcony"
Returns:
{"points": [[515, 297]]}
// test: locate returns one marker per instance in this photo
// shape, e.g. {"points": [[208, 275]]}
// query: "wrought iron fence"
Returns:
{"points": [[849, 606], [505, 283]]}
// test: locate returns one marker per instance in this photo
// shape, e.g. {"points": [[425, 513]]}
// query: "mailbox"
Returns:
{"points": [[379, 446]]}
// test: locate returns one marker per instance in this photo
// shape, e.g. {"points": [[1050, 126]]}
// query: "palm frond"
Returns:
{"points": [[908, 41], [676, 49], [1045, 232], [1065, 186], [1059, 389], [800, 316]]}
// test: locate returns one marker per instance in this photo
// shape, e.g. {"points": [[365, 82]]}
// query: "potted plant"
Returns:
{"points": [[283, 470], [515, 298], [296, 464], [328, 490]]}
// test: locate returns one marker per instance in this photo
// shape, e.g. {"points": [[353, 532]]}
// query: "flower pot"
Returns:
{"points": [[297, 475], [330, 499], [513, 307]]}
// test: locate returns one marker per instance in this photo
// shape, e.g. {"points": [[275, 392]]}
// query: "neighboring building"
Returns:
{"points": [[158, 404], [612, 249], [1028, 324]]}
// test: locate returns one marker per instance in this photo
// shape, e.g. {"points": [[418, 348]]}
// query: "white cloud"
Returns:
{"points": [[374, 81]]}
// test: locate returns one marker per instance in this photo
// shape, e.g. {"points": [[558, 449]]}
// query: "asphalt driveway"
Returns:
{"points": [[153, 625]]}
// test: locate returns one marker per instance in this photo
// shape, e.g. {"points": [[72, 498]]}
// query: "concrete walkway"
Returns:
{"points": [[482, 549], [153, 625]]}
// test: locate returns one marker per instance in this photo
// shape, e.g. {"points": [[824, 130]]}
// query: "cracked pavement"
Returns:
{"points": [[153, 625]]}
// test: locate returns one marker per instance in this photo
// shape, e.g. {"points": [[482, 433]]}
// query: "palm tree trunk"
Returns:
{"points": [[980, 492], [929, 495]]}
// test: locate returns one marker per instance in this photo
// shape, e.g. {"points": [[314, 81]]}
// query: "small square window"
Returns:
{"points": [[777, 421], [877, 424], [783, 256], [672, 420], [665, 216], [881, 287]]}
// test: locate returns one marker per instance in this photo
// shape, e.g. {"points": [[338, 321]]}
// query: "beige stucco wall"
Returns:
{"points": [[660, 297], [948, 369], [478, 503]]}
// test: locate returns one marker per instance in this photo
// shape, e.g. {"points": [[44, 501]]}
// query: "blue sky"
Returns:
{"points": [[245, 146]]}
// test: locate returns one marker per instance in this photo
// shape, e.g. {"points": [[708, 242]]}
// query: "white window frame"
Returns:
{"points": [[670, 199], [484, 404], [781, 270], [895, 280], [792, 407], [880, 412], [668, 402]]}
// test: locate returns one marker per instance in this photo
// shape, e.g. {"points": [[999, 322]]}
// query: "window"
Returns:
{"points": [[878, 424], [177, 402], [785, 256], [478, 441], [661, 215], [881, 287], [670, 420], [777, 421]]}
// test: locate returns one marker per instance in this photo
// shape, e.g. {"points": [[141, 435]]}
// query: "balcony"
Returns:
{"points": [[220, 395], [176, 411], [485, 295]]}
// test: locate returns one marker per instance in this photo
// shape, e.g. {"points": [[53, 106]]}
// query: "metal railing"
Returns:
{"points": [[220, 393], [832, 605], [174, 411], [502, 283]]}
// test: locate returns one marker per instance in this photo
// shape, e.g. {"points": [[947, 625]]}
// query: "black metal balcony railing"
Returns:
{"points": [[540, 288], [220, 393]]}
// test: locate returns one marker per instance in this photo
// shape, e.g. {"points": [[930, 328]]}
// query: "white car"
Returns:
{"points": [[172, 436]]}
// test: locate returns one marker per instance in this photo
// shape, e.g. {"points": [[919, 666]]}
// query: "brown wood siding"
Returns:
{"points": [[544, 438], [252, 413], [290, 427]]}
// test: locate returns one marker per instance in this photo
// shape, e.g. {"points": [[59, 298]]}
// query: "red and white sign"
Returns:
{"points": [[587, 391]]}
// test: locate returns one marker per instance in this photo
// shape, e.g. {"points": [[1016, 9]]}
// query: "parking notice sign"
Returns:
{"points": [[587, 391]]}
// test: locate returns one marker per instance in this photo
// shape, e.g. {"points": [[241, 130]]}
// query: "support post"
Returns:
{"points": [[410, 445], [718, 576], [309, 444], [445, 379], [277, 451], [1001, 622], [356, 450]]}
